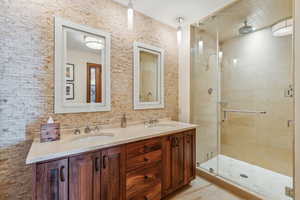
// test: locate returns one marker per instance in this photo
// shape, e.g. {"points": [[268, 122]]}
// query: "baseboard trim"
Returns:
{"points": [[223, 183]]}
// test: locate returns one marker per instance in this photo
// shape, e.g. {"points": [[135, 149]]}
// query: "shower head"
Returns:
{"points": [[246, 29]]}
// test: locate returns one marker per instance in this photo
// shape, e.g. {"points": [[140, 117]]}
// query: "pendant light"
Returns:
{"points": [[179, 29], [130, 13]]}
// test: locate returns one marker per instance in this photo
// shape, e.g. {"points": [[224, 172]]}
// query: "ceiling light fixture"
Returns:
{"points": [[179, 29], [283, 28], [130, 13], [246, 29], [93, 43]]}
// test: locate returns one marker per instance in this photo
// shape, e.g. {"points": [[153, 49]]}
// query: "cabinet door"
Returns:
{"points": [[166, 165], [51, 181], [113, 174], [189, 156], [85, 177], [177, 161]]}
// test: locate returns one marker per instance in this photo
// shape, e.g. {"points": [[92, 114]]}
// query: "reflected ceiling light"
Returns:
{"points": [[220, 55], [200, 46], [130, 13], [283, 28], [179, 29], [93, 43], [234, 61]]}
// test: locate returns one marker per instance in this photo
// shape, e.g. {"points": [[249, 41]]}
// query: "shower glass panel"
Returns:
{"points": [[243, 98], [204, 95]]}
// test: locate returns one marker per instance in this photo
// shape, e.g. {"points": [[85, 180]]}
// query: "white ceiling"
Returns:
{"points": [[167, 11]]}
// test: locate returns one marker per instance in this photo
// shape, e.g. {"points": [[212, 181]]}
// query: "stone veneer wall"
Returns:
{"points": [[27, 74]]}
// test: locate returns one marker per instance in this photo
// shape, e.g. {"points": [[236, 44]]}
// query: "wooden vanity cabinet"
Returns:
{"points": [[144, 170], [85, 176], [189, 156], [98, 175], [179, 155], [113, 174], [51, 180]]}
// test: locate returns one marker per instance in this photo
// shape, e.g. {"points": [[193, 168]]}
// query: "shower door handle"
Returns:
{"points": [[290, 123]]}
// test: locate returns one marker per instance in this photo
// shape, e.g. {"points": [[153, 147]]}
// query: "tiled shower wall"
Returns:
{"points": [[256, 70], [27, 74]]}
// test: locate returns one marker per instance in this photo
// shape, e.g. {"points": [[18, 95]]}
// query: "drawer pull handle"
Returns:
{"points": [[173, 142], [146, 148], [97, 164], [62, 176], [104, 162], [146, 159]]}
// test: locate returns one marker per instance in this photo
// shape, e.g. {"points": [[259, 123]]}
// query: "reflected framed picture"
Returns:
{"points": [[69, 91], [69, 72]]}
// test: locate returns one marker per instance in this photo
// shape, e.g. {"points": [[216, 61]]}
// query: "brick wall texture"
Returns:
{"points": [[27, 75]]}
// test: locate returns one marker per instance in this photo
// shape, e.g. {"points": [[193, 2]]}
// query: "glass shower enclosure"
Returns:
{"points": [[242, 95]]}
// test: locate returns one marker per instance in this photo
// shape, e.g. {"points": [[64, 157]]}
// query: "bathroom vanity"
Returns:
{"points": [[135, 163]]}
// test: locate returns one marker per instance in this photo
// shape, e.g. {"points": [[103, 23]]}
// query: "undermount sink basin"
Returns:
{"points": [[92, 137]]}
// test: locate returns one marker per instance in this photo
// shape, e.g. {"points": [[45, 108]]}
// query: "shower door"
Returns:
{"points": [[204, 95], [257, 113], [256, 98], [242, 96]]}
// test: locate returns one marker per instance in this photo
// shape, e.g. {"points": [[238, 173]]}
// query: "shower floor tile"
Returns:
{"points": [[257, 179]]}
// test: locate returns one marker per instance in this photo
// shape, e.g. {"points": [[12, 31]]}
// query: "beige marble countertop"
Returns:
{"points": [[71, 144]]}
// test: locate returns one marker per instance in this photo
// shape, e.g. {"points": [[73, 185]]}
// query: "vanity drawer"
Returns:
{"points": [[140, 148], [143, 180], [143, 160], [153, 193]]}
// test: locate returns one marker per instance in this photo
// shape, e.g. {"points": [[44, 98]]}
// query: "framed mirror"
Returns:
{"points": [[148, 76], [82, 68]]}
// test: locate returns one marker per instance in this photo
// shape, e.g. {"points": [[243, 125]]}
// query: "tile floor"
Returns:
{"points": [[201, 189], [262, 181]]}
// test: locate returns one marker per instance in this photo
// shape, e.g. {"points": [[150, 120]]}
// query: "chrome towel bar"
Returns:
{"points": [[242, 111]]}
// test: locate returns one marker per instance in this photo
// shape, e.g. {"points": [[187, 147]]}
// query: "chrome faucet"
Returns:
{"points": [[151, 123]]}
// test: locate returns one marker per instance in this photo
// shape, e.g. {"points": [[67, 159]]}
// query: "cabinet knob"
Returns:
{"points": [[146, 177], [61, 172], [145, 198], [146, 159]]}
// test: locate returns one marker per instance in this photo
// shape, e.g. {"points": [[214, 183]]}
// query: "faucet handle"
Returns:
{"points": [[77, 131], [97, 128]]}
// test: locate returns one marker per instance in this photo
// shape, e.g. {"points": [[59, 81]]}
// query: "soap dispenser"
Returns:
{"points": [[123, 121]]}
